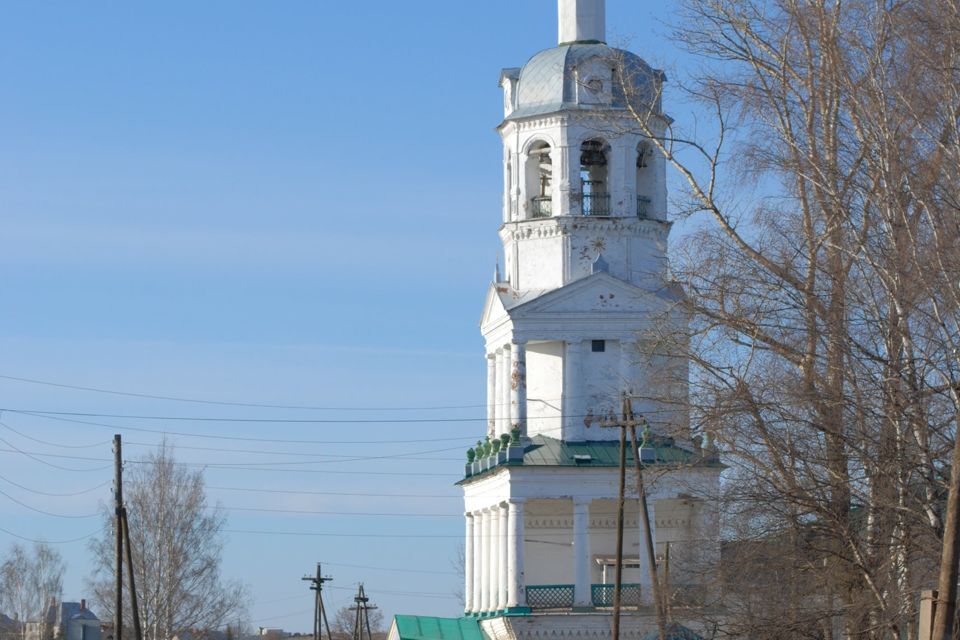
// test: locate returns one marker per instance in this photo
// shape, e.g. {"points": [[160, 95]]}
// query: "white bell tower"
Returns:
{"points": [[583, 315]]}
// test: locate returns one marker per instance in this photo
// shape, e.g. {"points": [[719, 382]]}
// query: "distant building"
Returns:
{"points": [[65, 621], [10, 629]]}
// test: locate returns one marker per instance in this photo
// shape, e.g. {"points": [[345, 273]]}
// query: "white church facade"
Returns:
{"points": [[582, 317]]}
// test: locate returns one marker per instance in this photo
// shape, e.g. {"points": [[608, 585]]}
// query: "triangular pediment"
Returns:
{"points": [[597, 293], [494, 310]]}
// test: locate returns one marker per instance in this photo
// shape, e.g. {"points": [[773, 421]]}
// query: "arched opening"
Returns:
{"points": [[645, 180], [539, 177], [594, 184]]}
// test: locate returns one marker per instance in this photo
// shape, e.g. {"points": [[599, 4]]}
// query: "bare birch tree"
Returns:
{"points": [[176, 538], [824, 338], [29, 578]]}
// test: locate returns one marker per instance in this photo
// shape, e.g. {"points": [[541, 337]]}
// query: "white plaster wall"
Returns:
{"points": [[600, 387], [540, 263], [544, 388]]}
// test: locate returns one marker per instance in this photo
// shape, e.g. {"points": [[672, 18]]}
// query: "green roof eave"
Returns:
{"points": [[430, 628]]}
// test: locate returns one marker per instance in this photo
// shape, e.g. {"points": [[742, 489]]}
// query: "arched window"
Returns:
{"points": [[594, 183], [645, 180], [539, 177]]}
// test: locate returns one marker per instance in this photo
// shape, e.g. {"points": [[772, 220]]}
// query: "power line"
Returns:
{"points": [[336, 493], [103, 443], [255, 405], [55, 495], [240, 466], [239, 420], [42, 541], [36, 458], [345, 513], [368, 568], [47, 513], [166, 432]]}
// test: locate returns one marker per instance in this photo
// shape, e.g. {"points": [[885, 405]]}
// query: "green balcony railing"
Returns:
{"points": [[643, 206], [542, 207], [550, 596], [595, 204], [602, 595]]}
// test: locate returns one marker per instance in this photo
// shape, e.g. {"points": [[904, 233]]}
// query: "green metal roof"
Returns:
{"points": [[544, 451], [428, 628], [674, 632]]}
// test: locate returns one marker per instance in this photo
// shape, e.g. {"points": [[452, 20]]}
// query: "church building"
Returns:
{"points": [[582, 320]]}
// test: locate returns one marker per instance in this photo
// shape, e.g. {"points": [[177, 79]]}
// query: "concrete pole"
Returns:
{"points": [[504, 560], [518, 388], [516, 584], [468, 564], [582, 597], [491, 394], [484, 561]]}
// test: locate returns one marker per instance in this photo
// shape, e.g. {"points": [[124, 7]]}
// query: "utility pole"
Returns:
{"points": [[628, 421], [621, 499], [319, 612], [134, 604], [118, 529], [631, 423], [361, 622]]}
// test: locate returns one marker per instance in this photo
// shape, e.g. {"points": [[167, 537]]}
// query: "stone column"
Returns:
{"points": [[516, 584], [518, 387], [503, 425], [477, 562], [499, 408], [582, 597], [484, 561], [573, 390], [493, 560], [491, 394], [468, 564], [504, 551]]}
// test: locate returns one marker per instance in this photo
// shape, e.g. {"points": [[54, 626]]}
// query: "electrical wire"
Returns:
{"points": [[36, 458], [55, 495], [335, 493], [54, 444], [184, 434], [47, 513], [42, 541], [239, 420], [255, 405]]}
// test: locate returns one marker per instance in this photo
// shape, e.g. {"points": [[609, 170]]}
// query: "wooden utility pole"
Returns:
{"points": [[134, 604], [319, 612], [631, 423], [118, 528], [621, 499], [361, 623]]}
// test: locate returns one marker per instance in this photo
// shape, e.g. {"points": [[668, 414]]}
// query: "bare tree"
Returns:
{"points": [[177, 543], [825, 308], [29, 578], [345, 618]]}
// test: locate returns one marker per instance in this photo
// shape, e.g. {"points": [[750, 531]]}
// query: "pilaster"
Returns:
{"points": [[582, 598]]}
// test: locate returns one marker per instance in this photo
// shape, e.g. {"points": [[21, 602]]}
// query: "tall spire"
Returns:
{"points": [[583, 21]]}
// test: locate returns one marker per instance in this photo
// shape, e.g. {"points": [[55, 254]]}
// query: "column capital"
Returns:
{"points": [[468, 514], [516, 501], [492, 355], [581, 501]]}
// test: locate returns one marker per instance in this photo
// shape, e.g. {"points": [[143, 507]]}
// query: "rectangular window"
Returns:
{"points": [[599, 346]]}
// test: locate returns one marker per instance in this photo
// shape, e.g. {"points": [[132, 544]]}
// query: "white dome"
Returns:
{"points": [[549, 81]]}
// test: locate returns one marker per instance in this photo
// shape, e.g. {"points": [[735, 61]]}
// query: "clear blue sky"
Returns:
{"points": [[283, 202]]}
